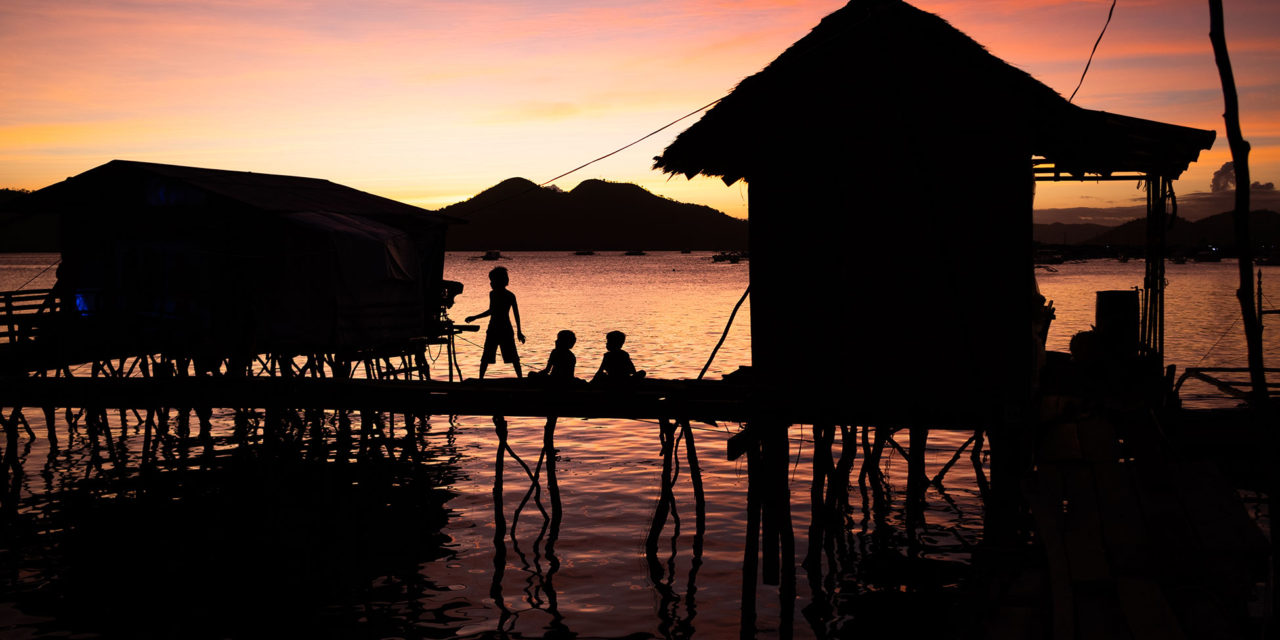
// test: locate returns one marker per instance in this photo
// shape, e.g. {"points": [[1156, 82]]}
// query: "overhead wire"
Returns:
{"points": [[1095, 50]]}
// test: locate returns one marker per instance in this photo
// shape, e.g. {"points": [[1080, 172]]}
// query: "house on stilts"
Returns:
{"points": [[892, 164], [211, 264]]}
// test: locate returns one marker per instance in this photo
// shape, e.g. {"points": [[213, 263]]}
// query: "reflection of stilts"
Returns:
{"points": [[672, 623], [769, 551], [540, 592]]}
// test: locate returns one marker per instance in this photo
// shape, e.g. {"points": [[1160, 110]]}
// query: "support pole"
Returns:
{"points": [[1240, 161]]}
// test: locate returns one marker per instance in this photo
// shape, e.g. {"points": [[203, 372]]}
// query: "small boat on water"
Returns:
{"points": [[732, 257], [1208, 255], [584, 253], [634, 252], [492, 254]]}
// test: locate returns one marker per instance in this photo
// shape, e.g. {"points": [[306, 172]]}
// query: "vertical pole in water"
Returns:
{"points": [[917, 481], [1240, 161], [823, 435], [695, 477], [553, 485], [666, 433], [499, 523], [751, 547]]}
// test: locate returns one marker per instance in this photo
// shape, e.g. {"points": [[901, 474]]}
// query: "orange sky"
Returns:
{"points": [[431, 102]]}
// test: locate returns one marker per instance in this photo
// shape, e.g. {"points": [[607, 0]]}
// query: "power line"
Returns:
{"points": [[1095, 50], [637, 141]]}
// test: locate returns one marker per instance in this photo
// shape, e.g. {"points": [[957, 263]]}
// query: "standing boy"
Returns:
{"points": [[498, 334]]}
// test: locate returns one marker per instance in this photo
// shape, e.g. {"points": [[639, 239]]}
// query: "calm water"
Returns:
{"points": [[673, 308]]}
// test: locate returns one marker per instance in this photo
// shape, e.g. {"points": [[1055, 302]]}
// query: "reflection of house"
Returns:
{"points": [[890, 161], [207, 261]]}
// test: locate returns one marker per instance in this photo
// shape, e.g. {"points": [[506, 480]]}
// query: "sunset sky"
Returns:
{"points": [[429, 102]]}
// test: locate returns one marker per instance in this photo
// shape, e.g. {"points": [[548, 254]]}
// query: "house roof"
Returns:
{"points": [[159, 185], [876, 70]]}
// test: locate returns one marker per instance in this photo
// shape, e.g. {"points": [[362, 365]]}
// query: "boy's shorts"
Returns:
{"points": [[504, 338]]}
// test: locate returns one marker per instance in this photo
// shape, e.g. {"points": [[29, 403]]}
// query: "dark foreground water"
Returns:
{"points": [[234, 546]]}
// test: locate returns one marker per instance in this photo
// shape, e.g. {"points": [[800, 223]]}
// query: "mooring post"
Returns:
{"points": [[51, 425], [695, 478], [666, 435], [499, 517], [823, 435], [751, 547], [917, 481], [553, 484]]}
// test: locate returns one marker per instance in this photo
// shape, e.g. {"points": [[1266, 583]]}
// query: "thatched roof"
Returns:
{"points": [[877, 71]]}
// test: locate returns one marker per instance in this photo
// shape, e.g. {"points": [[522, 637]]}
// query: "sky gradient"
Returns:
{"points": [[431, 102]]}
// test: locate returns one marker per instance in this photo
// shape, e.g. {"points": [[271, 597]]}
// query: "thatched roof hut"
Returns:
{"points": [[890, 163], [209, 261]]}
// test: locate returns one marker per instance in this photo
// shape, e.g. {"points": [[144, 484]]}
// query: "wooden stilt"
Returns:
{"points": [[823, 435], [751, 547]]}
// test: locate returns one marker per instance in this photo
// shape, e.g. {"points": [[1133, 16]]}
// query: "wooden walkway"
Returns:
{"points": [[700, 400]]}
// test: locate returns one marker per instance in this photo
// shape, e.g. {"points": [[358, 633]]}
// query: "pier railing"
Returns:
{"points": [[23, 312]]}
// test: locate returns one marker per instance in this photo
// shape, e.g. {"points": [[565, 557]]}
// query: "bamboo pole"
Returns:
{"points": [[1240, 160]]}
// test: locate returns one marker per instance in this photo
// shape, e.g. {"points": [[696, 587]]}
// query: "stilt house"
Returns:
{"points": [[892, 163], [204, 261]]}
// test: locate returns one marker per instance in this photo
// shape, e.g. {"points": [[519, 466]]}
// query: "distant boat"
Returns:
{"points": [[732, 257], [1178, 259], [1208, 255], [1049, 256], [634, 252], [584, 253], [686, 251], [492, 254]]}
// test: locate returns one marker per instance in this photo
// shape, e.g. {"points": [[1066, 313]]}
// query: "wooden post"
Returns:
{"points": [[823, 436], [1240, 161], [751, 547], [695, 477], [666, 496], [553, 485]]}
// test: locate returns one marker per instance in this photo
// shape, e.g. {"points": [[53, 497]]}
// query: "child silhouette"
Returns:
{"points": [[499, 334], [616, 366], [561, 363]]}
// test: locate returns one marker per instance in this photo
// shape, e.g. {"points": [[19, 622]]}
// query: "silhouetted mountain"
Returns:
{"points": [[1217, 230], [22, 230], [518, 215]]}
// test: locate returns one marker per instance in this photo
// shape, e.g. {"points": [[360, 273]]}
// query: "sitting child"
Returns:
{"points": [[561, 363], [616, 367]]}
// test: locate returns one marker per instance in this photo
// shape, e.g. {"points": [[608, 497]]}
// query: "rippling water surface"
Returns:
{"points": [[673, 308]]}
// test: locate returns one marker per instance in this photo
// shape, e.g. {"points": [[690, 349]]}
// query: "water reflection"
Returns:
{"points": [[539, 590], [676, 621]]}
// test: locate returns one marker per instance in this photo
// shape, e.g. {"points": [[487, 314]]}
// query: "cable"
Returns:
{"points": [[37, 276], [726, 332], [1215, 344], [1095, 50], [637, 141]]}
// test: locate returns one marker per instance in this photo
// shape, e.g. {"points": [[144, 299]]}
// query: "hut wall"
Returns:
{"points": [[905, 296]]}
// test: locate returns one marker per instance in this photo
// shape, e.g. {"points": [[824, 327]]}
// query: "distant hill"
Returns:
{"points": [[518, 215], [22, 230], [1218, 230]]}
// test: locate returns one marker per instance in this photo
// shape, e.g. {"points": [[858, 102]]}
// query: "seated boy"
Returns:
{"points": [[616, 366], [561, 363]]}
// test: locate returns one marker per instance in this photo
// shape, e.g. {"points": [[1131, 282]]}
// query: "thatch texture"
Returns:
{"points": [[879, 69]]}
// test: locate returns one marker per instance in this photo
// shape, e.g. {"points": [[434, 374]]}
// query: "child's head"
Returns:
{"points": [[498, 277], [566, 339], [614, 339]]}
